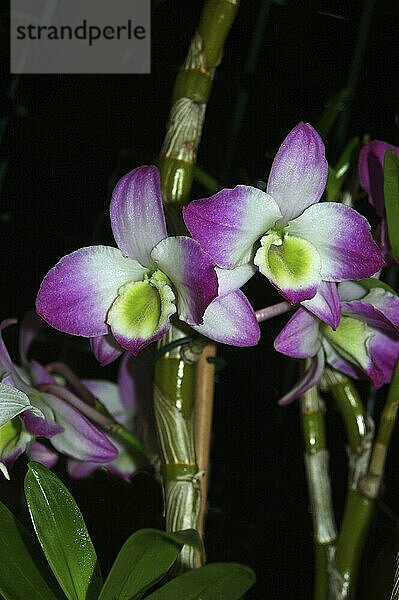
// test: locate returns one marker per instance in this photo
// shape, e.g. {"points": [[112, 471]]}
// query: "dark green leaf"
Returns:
{"points": [[224, 581], [62, 533], [206, 180], [332, 185], [337, 175], [394, 387], [144, 559], [327, 118], [348, 158], [24, 573], [391, 195], [371, 283]]}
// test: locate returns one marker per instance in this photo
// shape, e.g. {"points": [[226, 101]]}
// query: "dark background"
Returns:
{"points": [[67, 139]]}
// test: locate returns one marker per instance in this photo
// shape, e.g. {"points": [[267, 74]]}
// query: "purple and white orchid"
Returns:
{"points": [[127, 402], [295, 241], [133, 290], [28, 412], [366, 341], [123, 298]]}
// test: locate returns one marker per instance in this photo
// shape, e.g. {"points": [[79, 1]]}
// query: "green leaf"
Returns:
{"points": [[371, 283], [144, 559], [331, 185], [327, 118], [62, 534], [391, 196], [348, 158], [224, 581], [337, 175], [24, 572], [393, 392], [206, 180]]}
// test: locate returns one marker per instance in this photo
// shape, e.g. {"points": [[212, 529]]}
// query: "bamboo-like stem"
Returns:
{"points": [[371, 484], [175, 372], [319, 487], [395, 590], [358, 510], [189, 98], [203, 422]]}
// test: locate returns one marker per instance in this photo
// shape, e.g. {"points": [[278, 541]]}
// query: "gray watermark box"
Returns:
{"points": [[80, 36]]}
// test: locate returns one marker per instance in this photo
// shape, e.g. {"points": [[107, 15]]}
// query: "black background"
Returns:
{"points": [[68, 136]]}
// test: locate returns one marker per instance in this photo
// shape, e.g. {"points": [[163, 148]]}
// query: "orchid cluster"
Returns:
{"points": [[124, 299], [76, 417]]}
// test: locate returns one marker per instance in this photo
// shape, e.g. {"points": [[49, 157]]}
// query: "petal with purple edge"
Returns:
{"points": [[230, 319], [80, 438], [307, 381], [31, 325], [350, 290], [137, 217], [229, 223], [386, 303], [39, 374], [105, 349], [6, 364], [363, 311], [299, 171], [141, 312], [384, 352], [41, 427], [300, 337], [192, 274], [325, 304], [371, 172], [77, 293], [40, 453], [233, 279], [292, 265], [336, 361], [342, 238]]}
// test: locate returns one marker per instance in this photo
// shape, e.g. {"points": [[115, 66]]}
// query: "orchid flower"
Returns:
{"points": [[133, 290], [123, 298], [44, 414], [229, 318], [295, 241], [366, 341], [371, 176], [126, 401]]}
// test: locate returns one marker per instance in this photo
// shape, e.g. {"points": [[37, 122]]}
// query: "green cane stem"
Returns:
{"points": [[175, 370], [189, 98], [318, 478], [359, 507]]}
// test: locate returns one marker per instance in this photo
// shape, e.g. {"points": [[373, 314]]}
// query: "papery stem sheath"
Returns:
{"points": [[174, 395], [319, 488], [358, 507]]}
